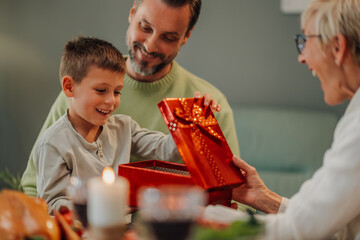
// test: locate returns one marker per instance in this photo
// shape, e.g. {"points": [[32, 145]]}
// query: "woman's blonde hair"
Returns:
{"points": [[334, 17]]}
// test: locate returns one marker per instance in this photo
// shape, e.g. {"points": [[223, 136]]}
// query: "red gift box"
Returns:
{"points": [[203, 148]]}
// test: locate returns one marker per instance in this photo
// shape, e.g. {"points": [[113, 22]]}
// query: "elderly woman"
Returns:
{"points": [[327, 205]]}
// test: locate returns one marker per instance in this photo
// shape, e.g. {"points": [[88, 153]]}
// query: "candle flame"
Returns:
{"points": [[108, 175]]}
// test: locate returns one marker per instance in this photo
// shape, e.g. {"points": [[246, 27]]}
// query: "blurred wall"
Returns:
{"points": [[244, 47]]}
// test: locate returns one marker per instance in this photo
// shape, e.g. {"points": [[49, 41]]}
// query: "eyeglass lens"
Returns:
{"points": [[300, 42]]}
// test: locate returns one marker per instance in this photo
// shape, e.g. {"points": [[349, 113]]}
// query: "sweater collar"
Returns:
{"points": [[101, 136], [129, 82]]}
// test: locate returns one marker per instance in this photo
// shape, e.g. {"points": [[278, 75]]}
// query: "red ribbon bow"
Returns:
{"points": [[194, 115]]}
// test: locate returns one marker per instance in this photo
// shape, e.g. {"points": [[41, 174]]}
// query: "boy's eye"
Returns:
{"points": [[100, 90], [117, 93]]}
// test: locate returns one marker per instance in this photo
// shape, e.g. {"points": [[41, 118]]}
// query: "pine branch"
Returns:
{"points": [[12, 180]]}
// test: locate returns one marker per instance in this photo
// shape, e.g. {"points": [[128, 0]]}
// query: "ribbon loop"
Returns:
{"points": [[195, 116]]}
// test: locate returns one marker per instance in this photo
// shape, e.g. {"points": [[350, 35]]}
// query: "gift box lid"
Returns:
{"points": [[201, 143]]}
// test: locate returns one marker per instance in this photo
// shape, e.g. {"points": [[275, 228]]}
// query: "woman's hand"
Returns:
{"points": [[208, 101], [254, 192]]}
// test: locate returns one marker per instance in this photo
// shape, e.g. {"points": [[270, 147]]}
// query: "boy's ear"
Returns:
{"points": [[68, 86]]}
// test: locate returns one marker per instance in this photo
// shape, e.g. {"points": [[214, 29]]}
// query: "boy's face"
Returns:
{"points": [[95, 98]]}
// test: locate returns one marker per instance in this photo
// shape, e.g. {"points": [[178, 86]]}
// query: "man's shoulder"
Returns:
{"points": [[196, 83], [184, 73]]}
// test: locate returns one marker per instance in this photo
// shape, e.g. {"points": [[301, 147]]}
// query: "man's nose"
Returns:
{"points": [[151, 44]]}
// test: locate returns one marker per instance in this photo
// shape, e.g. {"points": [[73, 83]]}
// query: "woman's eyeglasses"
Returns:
{"points": [[300, 40]]}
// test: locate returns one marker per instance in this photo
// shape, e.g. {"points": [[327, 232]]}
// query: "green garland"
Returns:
{"points": [[251, 229], [12, 180]]}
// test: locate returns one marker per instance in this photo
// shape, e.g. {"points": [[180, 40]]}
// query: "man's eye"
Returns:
{"points": [[170, 39], [145, 29]]}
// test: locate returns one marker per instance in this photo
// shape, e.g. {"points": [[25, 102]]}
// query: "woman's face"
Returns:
{"points": [[322, 63]]}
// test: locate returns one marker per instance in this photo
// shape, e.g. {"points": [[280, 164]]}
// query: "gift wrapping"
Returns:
{"points": [[201, 143], [203, 148]]}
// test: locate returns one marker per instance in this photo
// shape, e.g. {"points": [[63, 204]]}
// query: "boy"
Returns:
{"points": [[88, 138]]}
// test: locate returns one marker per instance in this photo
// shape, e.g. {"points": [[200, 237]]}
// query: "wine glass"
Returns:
{"points": [[77, 190], [169, 212]]}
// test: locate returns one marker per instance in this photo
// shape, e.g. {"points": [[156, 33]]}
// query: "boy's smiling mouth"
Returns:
{"points": [[103, 111]]}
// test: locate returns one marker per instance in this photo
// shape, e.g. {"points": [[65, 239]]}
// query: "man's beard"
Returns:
{"points": [[142, 67]]}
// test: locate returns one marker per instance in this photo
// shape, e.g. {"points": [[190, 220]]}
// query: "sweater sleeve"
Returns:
{"points": [[284, 203], [153, 144], [328, 201], [53, 176], [28, 180]]}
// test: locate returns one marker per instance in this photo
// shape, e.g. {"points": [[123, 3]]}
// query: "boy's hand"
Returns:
{"points": [[208, 101]]}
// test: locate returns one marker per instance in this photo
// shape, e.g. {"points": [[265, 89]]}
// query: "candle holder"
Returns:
{"points": [[106, 233], [108, 199]]}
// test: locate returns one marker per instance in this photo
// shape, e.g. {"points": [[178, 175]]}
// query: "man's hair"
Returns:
{"points": [[82, 53], [334, 17], [194, 5]]}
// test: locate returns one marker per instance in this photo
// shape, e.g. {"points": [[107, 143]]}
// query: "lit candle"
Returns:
{"points": [[107, 199]]}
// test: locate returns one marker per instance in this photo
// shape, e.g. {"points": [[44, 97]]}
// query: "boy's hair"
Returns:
{"points": [[334, 17], [195, 6], [82, 53]]}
